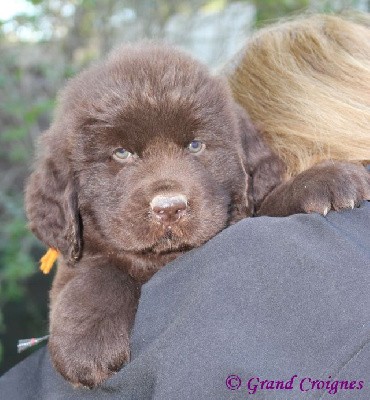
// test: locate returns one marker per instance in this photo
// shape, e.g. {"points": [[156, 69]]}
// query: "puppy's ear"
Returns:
{"points": [[51, 200], [264, 168]]}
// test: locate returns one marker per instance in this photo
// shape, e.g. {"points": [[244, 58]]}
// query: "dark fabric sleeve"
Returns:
{"points": [[278, 299]]}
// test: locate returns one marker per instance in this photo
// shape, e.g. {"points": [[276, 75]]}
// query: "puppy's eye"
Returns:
{"points": [[196, 146], [121, 154]]}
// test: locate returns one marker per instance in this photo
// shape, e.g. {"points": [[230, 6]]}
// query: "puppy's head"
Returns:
{"points": [[145, 156]]}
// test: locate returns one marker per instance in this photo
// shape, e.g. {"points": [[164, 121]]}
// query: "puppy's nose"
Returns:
{"points": [[169, 209]]}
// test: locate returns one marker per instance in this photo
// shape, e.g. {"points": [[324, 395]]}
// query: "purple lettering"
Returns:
{"points": [[263, 383], [344, 385], [328, 382], [352, 385], [289, 384], [252, 387], [320, 385], [270, 385], [301, 385], [279, 384], [334, 387], [313, 384]]}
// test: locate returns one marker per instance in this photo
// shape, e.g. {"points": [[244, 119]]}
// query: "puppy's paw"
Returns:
{"points": [[330, 185], [88, 361]]}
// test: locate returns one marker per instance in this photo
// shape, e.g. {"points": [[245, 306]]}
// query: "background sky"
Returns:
{"points": [[9, 8]]}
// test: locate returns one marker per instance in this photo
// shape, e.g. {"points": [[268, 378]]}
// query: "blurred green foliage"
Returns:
{"points": [[39, 51], [22, 110], [270, 9]]}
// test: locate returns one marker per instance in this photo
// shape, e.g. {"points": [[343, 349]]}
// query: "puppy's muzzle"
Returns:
{"points": [[169, 209]]}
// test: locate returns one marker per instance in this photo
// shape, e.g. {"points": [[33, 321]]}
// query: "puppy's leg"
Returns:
{"points": [[90, 323], [329, 185]]}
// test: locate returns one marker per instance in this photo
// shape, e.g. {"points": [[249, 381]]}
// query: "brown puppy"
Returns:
{"points": [[148, 157]]}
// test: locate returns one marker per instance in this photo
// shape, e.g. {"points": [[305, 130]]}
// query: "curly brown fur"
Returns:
{"points": [[107, 216], [153, 101]]}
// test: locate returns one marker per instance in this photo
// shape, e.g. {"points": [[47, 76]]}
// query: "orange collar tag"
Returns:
{"points": [[48, 259]]}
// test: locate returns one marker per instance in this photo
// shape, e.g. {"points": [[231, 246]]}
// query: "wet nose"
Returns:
{"points": [[169, 209]]}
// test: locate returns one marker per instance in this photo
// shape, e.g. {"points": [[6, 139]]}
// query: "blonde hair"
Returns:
{"points": [[306, 85]]}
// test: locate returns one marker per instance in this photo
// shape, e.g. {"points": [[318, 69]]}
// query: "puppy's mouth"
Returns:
{"points": [[169, 240], [168, 234]]}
